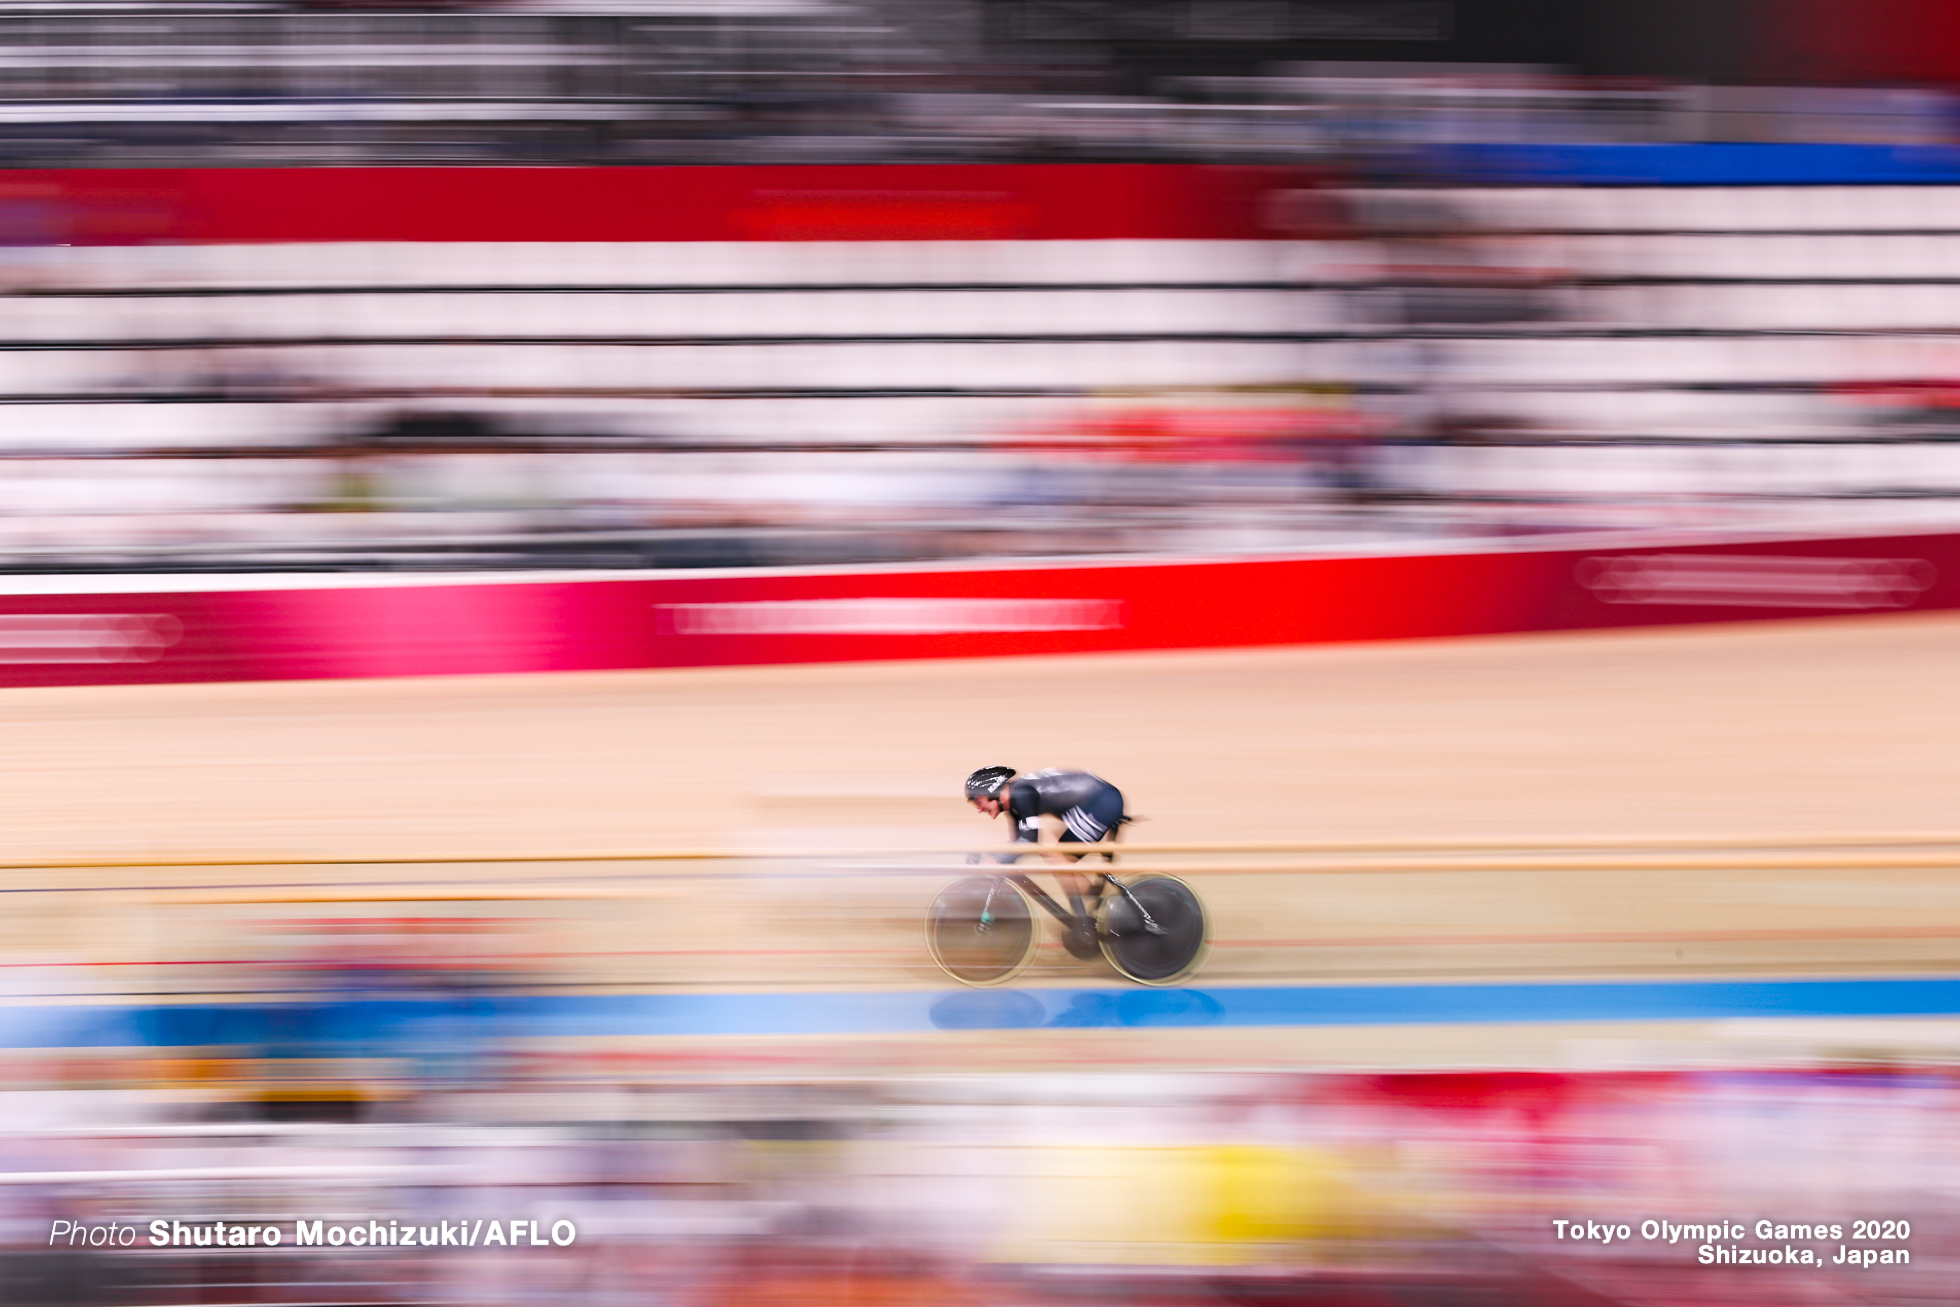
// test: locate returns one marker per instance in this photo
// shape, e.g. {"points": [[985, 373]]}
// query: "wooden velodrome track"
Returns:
{"points": [[1760, 749]]}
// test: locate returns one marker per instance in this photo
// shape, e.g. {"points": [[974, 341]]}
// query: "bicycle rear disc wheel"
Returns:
{"points": [[1149, 959], [981, 930]]}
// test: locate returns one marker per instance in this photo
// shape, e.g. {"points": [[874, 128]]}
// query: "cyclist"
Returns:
{"points": [[1091, 810]]}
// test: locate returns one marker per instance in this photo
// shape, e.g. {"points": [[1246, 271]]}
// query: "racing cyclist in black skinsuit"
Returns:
{"points": [[1091, 810]]}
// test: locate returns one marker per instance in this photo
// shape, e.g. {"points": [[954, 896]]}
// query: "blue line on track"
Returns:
{"points": [[373, 1023]]}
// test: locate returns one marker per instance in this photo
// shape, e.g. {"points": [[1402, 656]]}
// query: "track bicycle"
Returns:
{"points": [[1152, 929]]}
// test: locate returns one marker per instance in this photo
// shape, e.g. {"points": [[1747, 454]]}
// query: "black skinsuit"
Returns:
{"points": [[1089, 806]]}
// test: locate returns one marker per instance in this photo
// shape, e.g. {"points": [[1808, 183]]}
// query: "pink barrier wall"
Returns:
{"points": [[359, 627]]}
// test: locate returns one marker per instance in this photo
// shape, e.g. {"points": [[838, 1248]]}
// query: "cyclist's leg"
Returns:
{"points": [[1074, 887], [1075, 884], [1080, 937], [1093, 822]]}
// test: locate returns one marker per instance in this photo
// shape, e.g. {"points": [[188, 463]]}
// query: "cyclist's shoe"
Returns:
{"points": [[1080, 941]]}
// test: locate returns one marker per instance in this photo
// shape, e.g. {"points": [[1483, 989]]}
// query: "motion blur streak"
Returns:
{"points": [[740, 1076], [1179, 1186], [894, 616], [86, 637], [1752, 580], [517, 518]]}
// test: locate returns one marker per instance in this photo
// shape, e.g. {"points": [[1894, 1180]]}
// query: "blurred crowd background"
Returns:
{"points": [[1452, 328], [1178, 1189], [830, 81]]}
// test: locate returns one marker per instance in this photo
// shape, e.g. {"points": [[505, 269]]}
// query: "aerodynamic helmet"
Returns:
{"points": [[987, 782]]}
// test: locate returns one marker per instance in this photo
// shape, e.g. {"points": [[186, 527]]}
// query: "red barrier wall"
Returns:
{"points": [[360, 627], [882, 202]]}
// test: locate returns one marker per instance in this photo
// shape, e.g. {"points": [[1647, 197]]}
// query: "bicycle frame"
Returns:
{"points": [[1086, 920]]}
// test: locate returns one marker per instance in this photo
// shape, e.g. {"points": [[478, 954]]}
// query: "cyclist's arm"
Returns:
{"points": [[1026, 831], [1027, 828]]}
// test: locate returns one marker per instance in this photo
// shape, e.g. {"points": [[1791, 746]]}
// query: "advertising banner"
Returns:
{"points": [[296, 628]]}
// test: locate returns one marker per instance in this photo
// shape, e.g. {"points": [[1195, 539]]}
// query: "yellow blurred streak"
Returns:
{"points": [[1210, 1205]]}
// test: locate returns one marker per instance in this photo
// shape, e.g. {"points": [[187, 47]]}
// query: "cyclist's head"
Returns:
{"points": [[987, 783]]}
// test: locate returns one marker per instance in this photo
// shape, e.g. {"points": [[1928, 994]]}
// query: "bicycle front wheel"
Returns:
{"points": [[1175, 951], [981, 930]]}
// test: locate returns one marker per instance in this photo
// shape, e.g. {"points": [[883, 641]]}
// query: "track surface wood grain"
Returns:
{"points": [[1791, 730]]}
